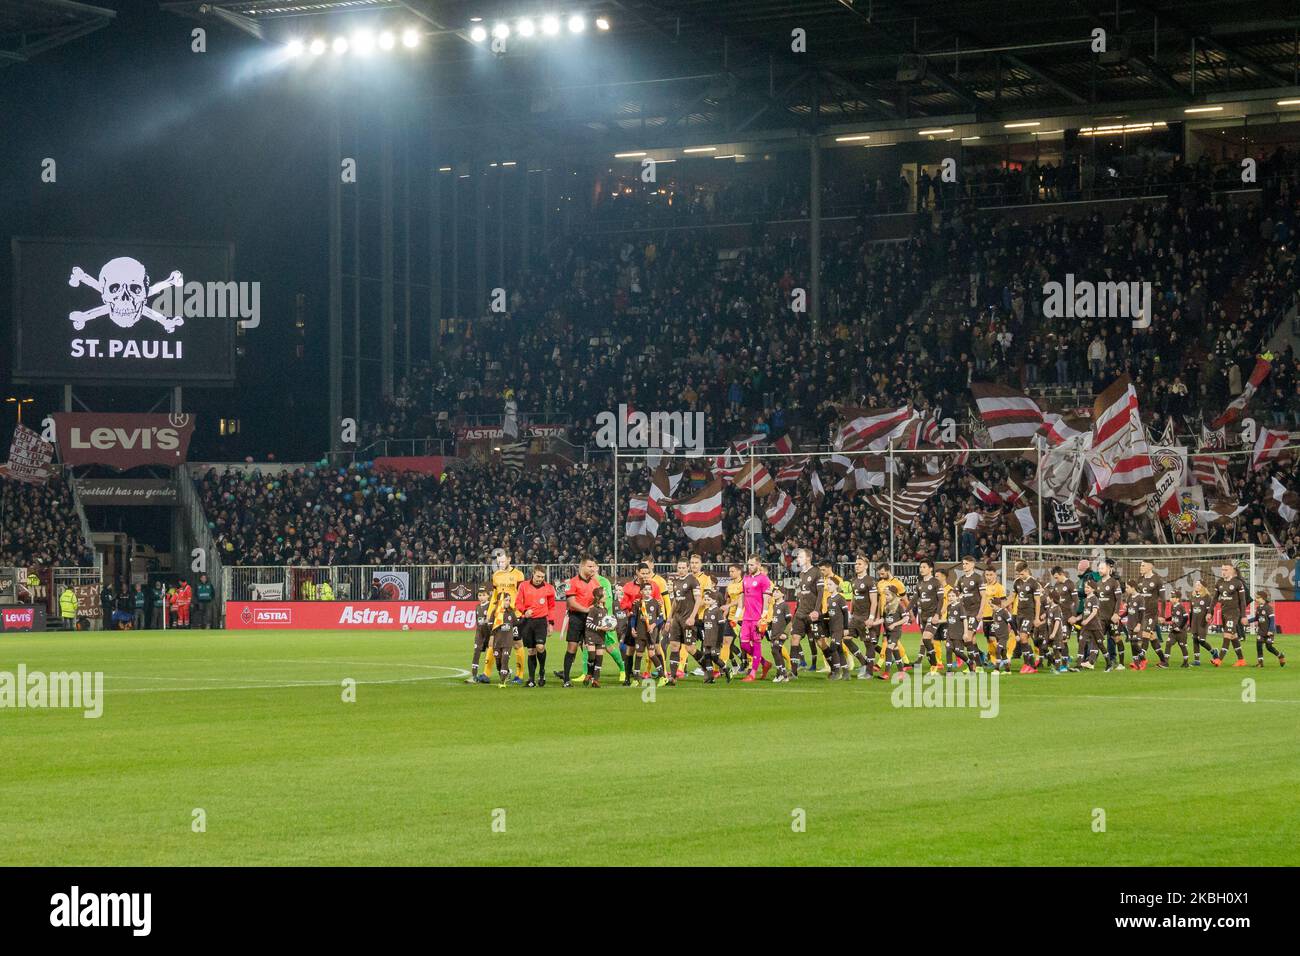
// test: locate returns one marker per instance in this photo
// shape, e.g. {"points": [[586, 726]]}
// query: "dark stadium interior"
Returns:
{"points": [[481, 170]]}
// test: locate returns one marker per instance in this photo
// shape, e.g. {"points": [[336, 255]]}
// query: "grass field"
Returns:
{"points": [[252, 729]]}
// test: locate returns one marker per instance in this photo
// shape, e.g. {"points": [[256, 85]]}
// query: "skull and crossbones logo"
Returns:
{"points": [[123, 286]]}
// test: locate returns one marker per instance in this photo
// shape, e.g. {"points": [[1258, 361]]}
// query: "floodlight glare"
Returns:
{"points": [[577, 24], [550, 25], [602, 23], [317, 46], [340, 44], [363, 41], [478, 34], [526, 27], [386, 40], [293, 48], [410, 38], [501, 31]]}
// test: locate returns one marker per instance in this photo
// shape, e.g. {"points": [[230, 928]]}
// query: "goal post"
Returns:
{"points": [[1181, 565]]}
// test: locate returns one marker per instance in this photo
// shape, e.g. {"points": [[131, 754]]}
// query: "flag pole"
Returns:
{"points": [[615, 511], [1038, 475], [891, 503], [750, 527]]}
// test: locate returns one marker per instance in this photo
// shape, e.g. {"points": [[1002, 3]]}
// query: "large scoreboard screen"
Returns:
{"points": [[102, 312]]}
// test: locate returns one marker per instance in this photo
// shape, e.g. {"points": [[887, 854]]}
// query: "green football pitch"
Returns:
{"points": [[247, 739]]}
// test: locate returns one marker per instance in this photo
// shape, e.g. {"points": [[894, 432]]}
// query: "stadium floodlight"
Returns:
{"points": [[1021, 125], [340, 45], [317, 46], [577, 24], [363, 41], [933, 132], [856, 137], [501, 31], [602, 23], [550, 25], [386, 40], [1288, 102], [639, 152], [701, 149], [294, 48], [526, 27], [1203, 109], [478, 34], [410, 38]]}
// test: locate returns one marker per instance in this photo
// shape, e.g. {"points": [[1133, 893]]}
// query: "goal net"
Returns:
{"points": [[1181, 565]]}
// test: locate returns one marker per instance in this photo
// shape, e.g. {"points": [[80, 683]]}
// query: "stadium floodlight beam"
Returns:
{"points": [[478, 34], [386, 40], [294, 47], [410, 38], [550, 25], [1203, 109], [363, 41], [602, 23], [317, 47], [501, 31], [577, 24], [526, 27], [340, 45]]}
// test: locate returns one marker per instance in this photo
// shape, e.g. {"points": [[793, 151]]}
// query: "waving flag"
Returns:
{"points": [[29, 457], [780, 512], [870, 427], [907, 502], [984, 493], [1269, 446], [1263, 365], [1284, 502], [1012, 418], [701, 517], [789, 473], [754, 475], [1119, 455]]}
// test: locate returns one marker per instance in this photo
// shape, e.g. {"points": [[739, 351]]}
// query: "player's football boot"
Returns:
{"points": [[1133, 666], [567, 683], [1281, 661], [767, 666], [483, 679], [747, 679], [541, 682], [531, 683], [1239, 662], [594, 683], [1260, 662]]}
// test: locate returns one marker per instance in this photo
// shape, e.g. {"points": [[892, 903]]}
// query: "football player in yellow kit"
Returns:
{"points": [[506, 579]]}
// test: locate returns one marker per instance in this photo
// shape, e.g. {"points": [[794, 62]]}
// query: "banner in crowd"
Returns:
{"points": [[394, 585], [424, 464], [494, 432], [126, 491], [352, 615], [267, 591], [122, 440], [29, 457], [88, 605]]}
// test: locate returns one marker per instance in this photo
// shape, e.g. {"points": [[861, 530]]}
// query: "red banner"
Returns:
{"points": [[424, 464], [123, 440], [352, 615]]}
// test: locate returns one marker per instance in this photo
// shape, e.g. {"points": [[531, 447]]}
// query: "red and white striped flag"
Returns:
{"points": [[636, 512], [1269, 446], [1119, 454], [1011, 417], [701, 517], [1285, 502], [1230, 414], [754, 475], [789, 473], [984, 493], [868, 472], [742, 445], [815, 483], [1058, 429], [1210, 470], [782, 445], [780, 512], [870, 427]]}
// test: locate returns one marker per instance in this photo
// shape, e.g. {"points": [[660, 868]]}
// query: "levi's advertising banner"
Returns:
{"points": [[352, 615], [122, 440], [101, 312]]}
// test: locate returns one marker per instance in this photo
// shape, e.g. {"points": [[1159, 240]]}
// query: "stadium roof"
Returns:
{"points": [[31, 27], [715, 69]]}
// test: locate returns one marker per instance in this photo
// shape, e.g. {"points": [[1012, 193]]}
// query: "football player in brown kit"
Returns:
{"points": [[999, 630], [806, 597], [787, 667], [1178, 619], [1200, 611], [862, 610], [1091, 630], [1231, 596], [928, 598], [1265, 627], [687, 602], [1151, 589], [1027, 595], [829, 626], [482, 635], [647, 621], [969, 587], [1110, 592]]}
